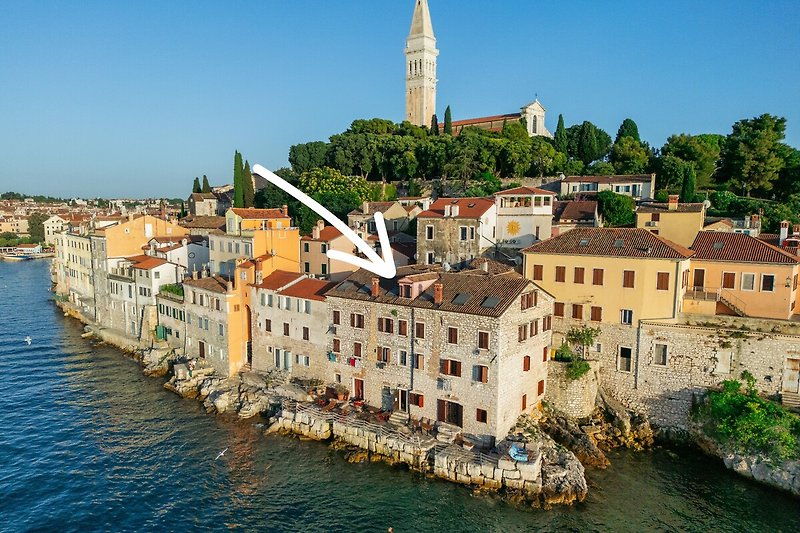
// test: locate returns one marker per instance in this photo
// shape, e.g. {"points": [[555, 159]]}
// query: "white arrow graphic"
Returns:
{"points": [[383, 267]]}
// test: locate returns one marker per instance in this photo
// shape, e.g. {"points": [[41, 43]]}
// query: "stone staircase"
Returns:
{"points": [[447, 432], [398, 418], [790, 399], [730, 305]]}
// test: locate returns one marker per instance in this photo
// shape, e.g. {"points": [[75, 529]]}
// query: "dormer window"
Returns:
{"points": [[405, 290]]}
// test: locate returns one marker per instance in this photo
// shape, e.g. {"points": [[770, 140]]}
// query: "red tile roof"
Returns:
{"points": [[611, 242], [524, 190], [653, 207], [278, 279], [25, 246], [481, 120], [738, 247], [203, 222], [575, 210], [467, 207], [328, 233], [146, 262], [211, 283], [250, 213], [310, 289]]}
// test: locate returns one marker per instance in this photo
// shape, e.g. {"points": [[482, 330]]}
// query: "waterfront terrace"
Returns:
{"points": [[462, 348]]}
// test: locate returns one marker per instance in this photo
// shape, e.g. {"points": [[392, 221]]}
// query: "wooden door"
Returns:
{"points": [[791, 375], [699, 278], [202, 347], [358, 389]]}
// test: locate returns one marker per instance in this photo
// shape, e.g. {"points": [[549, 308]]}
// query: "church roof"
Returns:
{"points": [[421, 24]]}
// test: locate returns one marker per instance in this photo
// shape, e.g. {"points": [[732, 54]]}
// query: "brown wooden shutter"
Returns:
{"points": [[352, 320], [540, 388], [441, 409], [628, 277], [578, 275], [597, 276], [577, 311], [456, 368], [537, 272], [526, 363], [597, 314], [558, 309], [544, 354], [561, 273], [729, 280], [662, 281]]}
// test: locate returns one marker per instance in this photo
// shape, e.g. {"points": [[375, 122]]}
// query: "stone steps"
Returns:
{"points": [[398, 418], [447, 432], [790, 399]]}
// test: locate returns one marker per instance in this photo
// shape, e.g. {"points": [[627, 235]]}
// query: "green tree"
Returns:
{"points": [[545, 159], [434, 125], [36, 226], [304, 157], [238, 182], [628, 155], [448, 122], [376, 126], [599, 168], [560, 137], [196, 186], [628, 128], [583, 337], [617, 209], [749, 158], [248, 194], [206, 186], [688, 183], [587, 142], [702, 150], [788, 181], [670, 173]]}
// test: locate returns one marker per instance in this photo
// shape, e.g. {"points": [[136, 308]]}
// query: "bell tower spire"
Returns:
{"points": [[421, 56]]}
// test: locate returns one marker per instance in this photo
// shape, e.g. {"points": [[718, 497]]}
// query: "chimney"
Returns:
{"points": [[673, 202], [796, 229], [454, 211], [365, 208], [229, 286], [784, 232], [194, 274], [285, 209], [376, 285], [438, 293], [485, 266], [315, 230], [447, 210], [755, 222]]}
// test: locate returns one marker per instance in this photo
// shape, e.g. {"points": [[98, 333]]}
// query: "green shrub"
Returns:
{"points": [[564, 353], [173, 288], [577, 369]]}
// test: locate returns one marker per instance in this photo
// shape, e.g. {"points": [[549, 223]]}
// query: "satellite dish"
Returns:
{"points": [[707, 203], [517, 260], [446, 266]]}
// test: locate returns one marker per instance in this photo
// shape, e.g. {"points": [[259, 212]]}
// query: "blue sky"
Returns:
{"points": [[137, 98]]}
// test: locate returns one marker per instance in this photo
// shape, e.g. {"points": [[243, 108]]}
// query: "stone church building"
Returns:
{"points": [[421, 54]]}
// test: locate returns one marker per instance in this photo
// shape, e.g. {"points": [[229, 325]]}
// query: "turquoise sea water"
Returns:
{"points": [[89, 444]]}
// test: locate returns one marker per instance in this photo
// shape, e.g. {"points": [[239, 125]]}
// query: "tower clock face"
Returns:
{"points": [[513, 228]]}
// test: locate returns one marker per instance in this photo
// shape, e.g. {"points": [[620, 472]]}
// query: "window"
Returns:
{"points": [[748, 282], [402, 328], [662, 281], [481, 416], [462, 233], [305, 334], [402, 358], [385, 325], [578, 275], [419, 330], [452, 335], [577, 311], [357, 349], [431, 258], [534, 328], [429, 233], [597, 276], [626, 316], [728, 280], [269, 300], [529, 300], [221, 329], [306, 247], [596, 314], [558, 309], [418, 361], [306, 267], [483, 340], [307, 307], [628, 277], [561, 274], [357, 320], [324, 269], [767, 282], [526, 363], [547, 323], [449, 367], [538, 271], [285, 329], [624, 359], [337, 318], [522, 333], [660, 355], [384, 354], [302, 360], [545, 354], [337, 345], [480, 373], [323, 248], [540, 388], [655, 217], [524, 401], [416, 399]]}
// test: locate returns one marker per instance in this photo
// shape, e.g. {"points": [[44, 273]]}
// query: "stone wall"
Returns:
{"points": [[574, 397]]}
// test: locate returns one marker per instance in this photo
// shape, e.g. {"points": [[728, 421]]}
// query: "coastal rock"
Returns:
{"points": [[567, 433]]}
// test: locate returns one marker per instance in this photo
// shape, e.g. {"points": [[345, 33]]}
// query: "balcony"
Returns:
{"points": [[713, 301]]}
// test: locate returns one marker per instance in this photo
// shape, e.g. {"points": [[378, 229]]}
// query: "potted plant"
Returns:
{"points": [[341, 392]]}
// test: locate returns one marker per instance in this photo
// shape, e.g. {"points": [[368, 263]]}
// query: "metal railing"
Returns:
{"points": [[713, 294]]}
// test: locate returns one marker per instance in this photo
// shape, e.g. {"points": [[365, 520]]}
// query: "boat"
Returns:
{"points": [[16, 257]]}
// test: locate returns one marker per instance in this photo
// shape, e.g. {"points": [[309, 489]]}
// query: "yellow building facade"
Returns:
{"points": [[674, 221]]}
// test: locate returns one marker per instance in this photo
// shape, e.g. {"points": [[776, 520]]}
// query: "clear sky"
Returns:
{"points": [[137, 98]]}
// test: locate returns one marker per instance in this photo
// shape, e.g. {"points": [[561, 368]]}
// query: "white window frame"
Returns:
{"points": [[761, 285], [429, 229], [619, 359], [745, 275], [463, 233], [622, 317], [666, 353]]}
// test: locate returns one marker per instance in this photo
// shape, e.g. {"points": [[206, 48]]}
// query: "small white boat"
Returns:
{"points": [[28, 340]]}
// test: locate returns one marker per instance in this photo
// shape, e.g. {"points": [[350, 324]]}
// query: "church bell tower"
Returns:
{"points": [[421, 55]]}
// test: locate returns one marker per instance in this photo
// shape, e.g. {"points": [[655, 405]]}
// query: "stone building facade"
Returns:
{"points": [[455, 230], [468, 349], [208, 305]]}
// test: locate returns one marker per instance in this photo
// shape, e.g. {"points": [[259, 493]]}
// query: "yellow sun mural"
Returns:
{"points": [[513, 228]]}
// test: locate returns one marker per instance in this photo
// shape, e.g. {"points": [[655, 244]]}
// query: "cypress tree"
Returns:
{"points": [[238, 182], [688, 184], [434, 125], [247, 186], [196, 186], [560, 137], [206, 186], [628, 128], [448, 122]]}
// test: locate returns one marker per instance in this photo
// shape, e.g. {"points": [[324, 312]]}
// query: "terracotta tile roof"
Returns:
{"points": [[467, 207], [721, 220], [146, 262], [480, 120], [738, 247], [609, 179], [25, 246], [493, 267], [211, 283], [200, 196], [310, 289], [373, 208], [770, 238], [524, 190], [483, 295], [202, 222], [575, 210], [328, 233], [611, 242], [250, 213], [278, 280], [653, 207], [405, 248]]}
